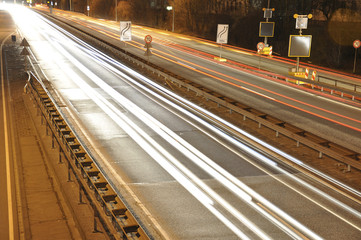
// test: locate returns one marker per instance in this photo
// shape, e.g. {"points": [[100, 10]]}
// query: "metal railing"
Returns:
{"points": [[108, 207]]}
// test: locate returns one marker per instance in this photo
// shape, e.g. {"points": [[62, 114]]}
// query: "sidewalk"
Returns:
{"points": [[47, 204]]}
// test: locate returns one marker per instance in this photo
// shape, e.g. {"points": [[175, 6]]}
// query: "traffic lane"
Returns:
{"points": [[300, 97], [63, 80], [277, 64], [285, 113], [173, 122], [141, 165], [130, 159], [142, 103], [205, 47], [143, 168], [269, 87], [280, 92], [173, 51], [161, 144]]}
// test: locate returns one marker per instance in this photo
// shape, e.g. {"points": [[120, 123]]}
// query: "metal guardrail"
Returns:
{"points": [[107, 206]]}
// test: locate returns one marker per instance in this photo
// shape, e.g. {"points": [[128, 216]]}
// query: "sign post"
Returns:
{"points": [[260, 47], [300, 45], [222, 37], [356, 44], [148, 40]]}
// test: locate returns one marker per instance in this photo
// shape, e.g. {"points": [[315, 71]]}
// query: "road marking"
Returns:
{"points": [[7, 152], [284, 222]]}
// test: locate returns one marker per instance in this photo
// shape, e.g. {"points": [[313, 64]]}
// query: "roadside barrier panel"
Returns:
{"points": [[117, 220]]}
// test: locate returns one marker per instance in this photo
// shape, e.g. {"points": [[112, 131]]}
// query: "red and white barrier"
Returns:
{"points": [[314, 75]]}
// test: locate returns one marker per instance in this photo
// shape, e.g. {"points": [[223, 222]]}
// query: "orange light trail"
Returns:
{"points": [[136, 44]]}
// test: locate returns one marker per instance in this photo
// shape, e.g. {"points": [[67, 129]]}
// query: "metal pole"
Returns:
{"points": [[116, 12], [173, 21], [298, 64], [266, 38], [220, 52], [354, 63]]}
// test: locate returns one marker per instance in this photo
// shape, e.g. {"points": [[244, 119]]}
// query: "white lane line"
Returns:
{"points": [[7, 148]]}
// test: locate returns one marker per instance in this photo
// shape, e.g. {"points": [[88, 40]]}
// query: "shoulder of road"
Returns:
{"points": [[46, 206]]}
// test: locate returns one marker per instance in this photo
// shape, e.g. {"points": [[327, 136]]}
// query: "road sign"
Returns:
{"points": [[222, 33], [260, 46], [356, 44], [266, 29], [148, 39], [267, 12], [125, 31], [300, 46]]}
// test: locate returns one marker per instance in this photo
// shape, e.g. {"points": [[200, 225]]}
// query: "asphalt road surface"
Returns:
{"points": [[187, 177]]}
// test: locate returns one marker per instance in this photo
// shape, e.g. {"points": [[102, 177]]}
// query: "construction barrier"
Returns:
{"points": [[314, 74]]}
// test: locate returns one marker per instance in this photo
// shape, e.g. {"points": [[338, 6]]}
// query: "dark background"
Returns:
{"points": [[334, 26]]}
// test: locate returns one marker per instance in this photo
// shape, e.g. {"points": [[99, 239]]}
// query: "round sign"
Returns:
{"points": [[356, 43], [148, 39], [260, 45]]}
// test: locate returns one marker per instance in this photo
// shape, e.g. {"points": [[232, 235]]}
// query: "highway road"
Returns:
{"points": [[333, 118], [187, 176]]}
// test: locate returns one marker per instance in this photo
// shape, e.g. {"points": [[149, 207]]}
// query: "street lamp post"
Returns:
{"points": [[116, 12], [170, 8]]}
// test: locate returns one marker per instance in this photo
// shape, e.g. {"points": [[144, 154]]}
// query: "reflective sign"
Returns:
{"points": [[356, 44], [266, 29], [301, 23], [125, 31], [300, 46], [222, 33]]}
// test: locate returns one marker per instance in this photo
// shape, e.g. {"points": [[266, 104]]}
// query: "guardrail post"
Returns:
{"points": [[69, 175], [60, 151], [52, 141], [95, 229], [80, 195]]}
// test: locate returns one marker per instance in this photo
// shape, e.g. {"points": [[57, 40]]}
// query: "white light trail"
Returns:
{"points": [[150, 122], [220, 174]]}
